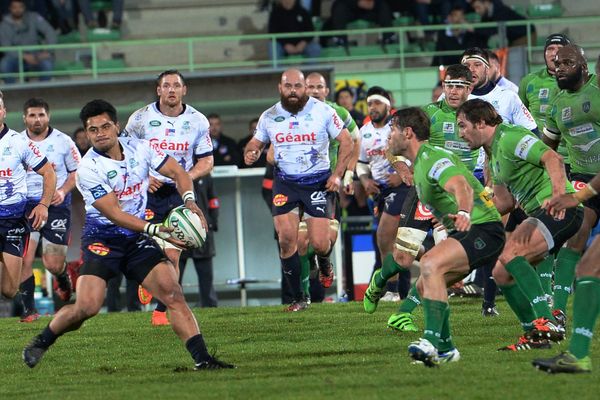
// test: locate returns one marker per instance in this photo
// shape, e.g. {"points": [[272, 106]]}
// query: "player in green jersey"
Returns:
{"points": [[459, 202], [537, 90], [533, 173], [574, 116]]}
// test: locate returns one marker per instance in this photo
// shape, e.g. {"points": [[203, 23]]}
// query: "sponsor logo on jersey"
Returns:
{"points": [[294, 125], [279, 118], [295, 138], [375, 152], [50, 149], [524, 146], [438, 167], [448, 127], [133, 163], [171, 146], [35, 149], [581, 129], [98, 249], [148, 214], [422, 213], [586, 106], [111, 174], [336, 121], [566, 114], [6, 151], [98, 191], [75, 154], [578, 185], [6, 173], [308, 118], [543, 109], [486, 197], [129, 190], [367, 135], [455, 145], [279, 200], [544, 93], [155, 123]]}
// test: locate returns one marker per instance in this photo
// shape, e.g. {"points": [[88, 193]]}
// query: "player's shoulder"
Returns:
{"points": [[191, 112], [366, 128], [273, 113]]}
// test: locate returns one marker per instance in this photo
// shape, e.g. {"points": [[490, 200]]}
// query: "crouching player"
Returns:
{"points": [[113, 179], [475, 231]]}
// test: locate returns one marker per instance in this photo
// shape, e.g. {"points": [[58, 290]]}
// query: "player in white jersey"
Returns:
{"points": [[381, 181], [300, 129], [495, 75], [17, 153], [181, 132], [63, 155], [113, 180]]}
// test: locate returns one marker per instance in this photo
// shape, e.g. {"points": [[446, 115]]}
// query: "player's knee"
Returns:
{"points": [[428, 267], [403, 258], [586, 268], [500, 274], [321, 245], [173, 296], [10, 292], [87, 310]]}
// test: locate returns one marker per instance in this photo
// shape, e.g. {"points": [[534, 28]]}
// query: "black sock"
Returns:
{"points": [[63, 277], [323, 262], [160, 306], [291, 272], [197, 348], [489, 287], [27, 289], [47, 337]]}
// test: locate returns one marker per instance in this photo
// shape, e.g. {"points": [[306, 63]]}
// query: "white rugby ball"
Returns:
{"points": [[186, 227]]}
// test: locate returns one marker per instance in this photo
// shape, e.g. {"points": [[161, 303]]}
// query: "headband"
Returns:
{"points": [[381, 98], [475, 57], [457, 82]]}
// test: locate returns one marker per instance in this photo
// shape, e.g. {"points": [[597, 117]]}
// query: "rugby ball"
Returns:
{"points": [[186, 227]]}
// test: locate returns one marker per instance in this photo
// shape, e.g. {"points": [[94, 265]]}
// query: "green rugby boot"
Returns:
{"points": [[402, 322], [564, 362], [372, 295]]}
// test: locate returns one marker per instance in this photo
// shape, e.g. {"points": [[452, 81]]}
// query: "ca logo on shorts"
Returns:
{"points": [[59, 224], [479, 244], [318, 197]]}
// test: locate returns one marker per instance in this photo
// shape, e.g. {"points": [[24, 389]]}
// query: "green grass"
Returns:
{"points": [[331, 351]]}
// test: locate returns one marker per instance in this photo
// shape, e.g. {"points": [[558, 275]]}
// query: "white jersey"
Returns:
{"points": [[182, 137], [98, 175], [17, 153], [300, 141], [510, 107], [373, 142], [64, 157], [504, 83]]}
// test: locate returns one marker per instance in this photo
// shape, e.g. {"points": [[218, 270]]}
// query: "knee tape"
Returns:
{"points": [[54, 249], [409, 240], [439, 234], [302, 227], [334, 225]]}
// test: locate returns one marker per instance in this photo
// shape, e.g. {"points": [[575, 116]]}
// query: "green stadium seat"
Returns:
{"points": [[549, 10], [519, 9], [70, 66], [360, 24], [472, 17], [71, 37], [112, 64], [100, 5], [404, 20], [103, 35], [330, 52], [368, 50]]}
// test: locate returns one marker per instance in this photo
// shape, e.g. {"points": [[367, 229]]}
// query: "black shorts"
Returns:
{"points": [[557, 232], [14, 234], [57, 229], [579, 181], [311, 199], [391, 199], [134, 256], [161, 202], [483, 243], [515, 217], [414, 214]]}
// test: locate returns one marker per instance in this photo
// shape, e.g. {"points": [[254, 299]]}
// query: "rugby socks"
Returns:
{"points": [[489, 286], [389, 268], [197, 348], [529, 282], [586, 307], [435, 314], [27, 289], [305, 274], [411, 301], [47, 337], [160, 306], [544, 270], [291, 271], [566, 261], [446, 343], [518, 302]]}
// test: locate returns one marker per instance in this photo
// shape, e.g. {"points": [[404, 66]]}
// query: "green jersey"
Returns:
{"points": [[433, 167], [575, 116], [516, 163], [537, 90], [348, 124], [444, 133]]}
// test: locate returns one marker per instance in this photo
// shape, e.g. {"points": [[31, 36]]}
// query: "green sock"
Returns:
{"points": [[305, 275], [310, 251], [529, 282], [586, 306], [412, 300], [566, 261], [544, 270], [435, 312], [519, 304], [389, 268], [446, 343]]}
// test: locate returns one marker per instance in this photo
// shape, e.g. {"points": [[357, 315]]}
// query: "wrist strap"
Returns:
{"points": [[464, 213], [189, 195]]}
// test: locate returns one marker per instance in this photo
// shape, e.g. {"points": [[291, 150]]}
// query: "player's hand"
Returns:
{"points": [[371, 187], [38, 217], [522, 235], [462, 221], [193, 207], [154, 184], [333, 183], [348, 183], [404, 173], [560, 203], [394, 179], [58, 198]]}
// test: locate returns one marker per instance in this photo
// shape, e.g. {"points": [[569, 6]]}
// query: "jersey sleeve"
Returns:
{"points": [[523, 90], [135, 125], [527, 147], [32, 156], [333, 123], [443, 169], [362, 150], [262, 133], [72, 157], [520, 113], [204, 146], [551, 127], [91, 183]]}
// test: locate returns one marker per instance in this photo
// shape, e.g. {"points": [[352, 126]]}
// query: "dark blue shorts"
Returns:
{"points": [[311, 199], [14, 234], [161, 202], [58, 227], [134, 256], [390, 200]]}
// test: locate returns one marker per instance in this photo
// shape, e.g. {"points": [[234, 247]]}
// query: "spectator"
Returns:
{"points": [[425, 8], [345, 11], [81, 140], [225, 150], [209, 204], [496, 11], [288, 16], [454, 38], [262, 160], [345, 98], [22, 28], [117, 14]]}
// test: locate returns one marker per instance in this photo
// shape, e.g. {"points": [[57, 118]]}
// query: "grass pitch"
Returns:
{"points": [[331, 351]]}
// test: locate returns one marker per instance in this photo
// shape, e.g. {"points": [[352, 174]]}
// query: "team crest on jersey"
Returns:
{"points": [[186, 126], [148, 214], [585, 107], [308, 118], [6, 151], [111, 174], [566, 114], [279, 200], [367, 135], [155, 123], [50, 149], [279, 118], [448, 127], [479, 243], [98, 249], [544, 93], [133, 163]]}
